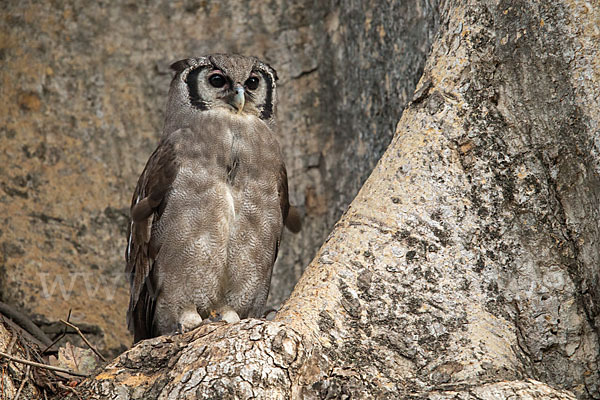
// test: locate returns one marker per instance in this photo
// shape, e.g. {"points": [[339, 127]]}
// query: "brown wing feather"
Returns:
{"points": [[283, 192], [290, 215], [153, 184]]}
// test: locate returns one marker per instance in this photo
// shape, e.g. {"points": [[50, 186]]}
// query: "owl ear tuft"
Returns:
{"points": [[180, 65], [274, 74], [276, 78]]}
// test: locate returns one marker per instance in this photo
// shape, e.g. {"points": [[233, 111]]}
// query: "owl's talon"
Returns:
{"points": [[188, 321], [224, 313], [229, 315], [270, 313], [217, 318]]}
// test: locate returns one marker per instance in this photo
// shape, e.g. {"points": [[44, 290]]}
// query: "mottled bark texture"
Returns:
{"points": [[83, 90], [15, 375], [467, 265]]}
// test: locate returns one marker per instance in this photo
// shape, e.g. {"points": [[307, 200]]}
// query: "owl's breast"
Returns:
{"points": [[229, 162]]}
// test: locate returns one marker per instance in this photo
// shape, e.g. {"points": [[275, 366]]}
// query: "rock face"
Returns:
{"points": [[83, 90]]}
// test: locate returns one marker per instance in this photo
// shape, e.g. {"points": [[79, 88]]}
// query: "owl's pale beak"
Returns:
{"points": [[239, 98]]}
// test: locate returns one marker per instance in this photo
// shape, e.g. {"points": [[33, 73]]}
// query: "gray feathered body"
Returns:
{"points": [[210, 206], [218, 232]]}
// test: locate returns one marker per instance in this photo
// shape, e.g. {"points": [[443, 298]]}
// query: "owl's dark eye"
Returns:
{"points": [[217, 80], [252, 83]]}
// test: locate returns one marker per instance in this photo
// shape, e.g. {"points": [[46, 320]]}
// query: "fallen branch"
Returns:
{"points": [[40, 365], [24, 322], [70, 325]]}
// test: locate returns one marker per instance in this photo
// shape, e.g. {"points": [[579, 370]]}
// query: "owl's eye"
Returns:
{"points": [[252, 83], [217, 80]]}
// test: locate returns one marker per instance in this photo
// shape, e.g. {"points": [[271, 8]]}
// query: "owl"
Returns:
{"points": [[209, 208]]}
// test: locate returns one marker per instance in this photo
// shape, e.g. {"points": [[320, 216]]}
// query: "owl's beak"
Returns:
{"points": [[239, 98]]}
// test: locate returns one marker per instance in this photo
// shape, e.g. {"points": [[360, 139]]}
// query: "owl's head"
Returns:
{"points": [[237, 84]]}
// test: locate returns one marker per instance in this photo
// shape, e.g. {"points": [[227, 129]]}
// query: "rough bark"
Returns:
{"points": [[14, 374], [84, 85], [466, 267]]}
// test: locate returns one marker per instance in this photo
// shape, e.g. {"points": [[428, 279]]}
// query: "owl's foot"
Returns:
{"points": [[188, 320], [269, 314], [230, 316], [226, 314]]}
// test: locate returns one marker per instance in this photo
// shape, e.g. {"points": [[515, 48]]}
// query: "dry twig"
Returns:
{"points": [[70, 389], [40, 365], [12, 342], [25, 379], [84, 339], [62, 334]]}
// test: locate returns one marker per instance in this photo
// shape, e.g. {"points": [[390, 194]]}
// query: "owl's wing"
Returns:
{"points": [[290, 214], [146, 206]]}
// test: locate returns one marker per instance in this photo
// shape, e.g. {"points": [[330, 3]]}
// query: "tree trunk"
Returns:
{"points": [[466, 267]]}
